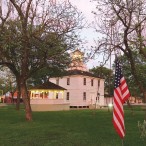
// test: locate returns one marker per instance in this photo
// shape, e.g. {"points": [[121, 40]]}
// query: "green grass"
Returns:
{"points": [[67, 128]]}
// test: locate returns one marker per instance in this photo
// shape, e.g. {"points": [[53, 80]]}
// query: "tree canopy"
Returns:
{"points": [[107, 74], [140, 63], [36, 34], [122, 27], [7, 80]]}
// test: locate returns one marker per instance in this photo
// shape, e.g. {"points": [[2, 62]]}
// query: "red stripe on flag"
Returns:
{"points": [[121, 94], [120, 119], [118, 130]]}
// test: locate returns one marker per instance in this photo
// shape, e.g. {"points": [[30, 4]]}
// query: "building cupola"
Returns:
{"points": [[77, 61]]}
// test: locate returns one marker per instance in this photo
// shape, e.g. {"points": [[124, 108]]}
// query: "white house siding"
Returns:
{"points": [[101, 91], [76, 89]]}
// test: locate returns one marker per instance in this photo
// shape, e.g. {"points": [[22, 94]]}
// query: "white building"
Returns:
{"points": [[83, 88], [48, 97]]}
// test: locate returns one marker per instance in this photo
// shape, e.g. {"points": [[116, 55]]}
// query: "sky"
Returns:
{"points": [[86, 7]]}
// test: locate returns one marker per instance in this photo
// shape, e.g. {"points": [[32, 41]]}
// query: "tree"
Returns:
{"points": [[122, 25], [140, 63], [33, 35], [107, 74], [7, 80], [44, 74]]}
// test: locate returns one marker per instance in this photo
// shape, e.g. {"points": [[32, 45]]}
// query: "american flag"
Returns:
{"points": [[121, 94]]}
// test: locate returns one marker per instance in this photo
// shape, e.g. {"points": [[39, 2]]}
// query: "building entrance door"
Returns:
{"points": [[92, 98]]}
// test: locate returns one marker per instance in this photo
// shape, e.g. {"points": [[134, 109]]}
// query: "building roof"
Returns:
{"points": [[80, 72], [48, 85], [77, 51]]}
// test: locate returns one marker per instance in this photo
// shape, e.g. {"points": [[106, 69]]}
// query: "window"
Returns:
{"points": [[92, 82], [46, 94], [68, 81], [67, 96], [84, 81], [98, 95], [57, 81], [56, 95], [84, 95]]}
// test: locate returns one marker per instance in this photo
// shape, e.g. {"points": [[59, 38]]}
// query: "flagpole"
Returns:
{"points": [[122, 142]]}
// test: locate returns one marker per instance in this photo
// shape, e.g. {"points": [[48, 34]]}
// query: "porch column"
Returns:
{"points": [[43, 94]]}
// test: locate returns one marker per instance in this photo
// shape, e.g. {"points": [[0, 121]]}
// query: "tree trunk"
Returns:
{"points": [[18, 97], [18, 100], [26, 101], [144, 96], [12, 93], [129, 105], [144, 100]]}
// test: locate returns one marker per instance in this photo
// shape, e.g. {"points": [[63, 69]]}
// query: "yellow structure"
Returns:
{"points": [[1, 94], [46, 94], [48, 97]]}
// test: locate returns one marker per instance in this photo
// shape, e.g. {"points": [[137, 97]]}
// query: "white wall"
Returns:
{"points": [[76, 89]]}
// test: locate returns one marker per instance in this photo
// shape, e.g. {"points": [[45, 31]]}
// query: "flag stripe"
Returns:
{"points": [[120, 119], [117, 106], [118, 125], [119, 131], [121, 94], [119, 114]]}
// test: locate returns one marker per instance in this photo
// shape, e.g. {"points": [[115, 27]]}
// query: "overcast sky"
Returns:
{"points": [[86, 7]]}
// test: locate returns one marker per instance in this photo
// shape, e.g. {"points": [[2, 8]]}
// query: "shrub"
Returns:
{"points": [[142, 129]]}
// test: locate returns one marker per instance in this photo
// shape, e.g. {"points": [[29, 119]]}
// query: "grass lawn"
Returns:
{"points": [[67, 128]]}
